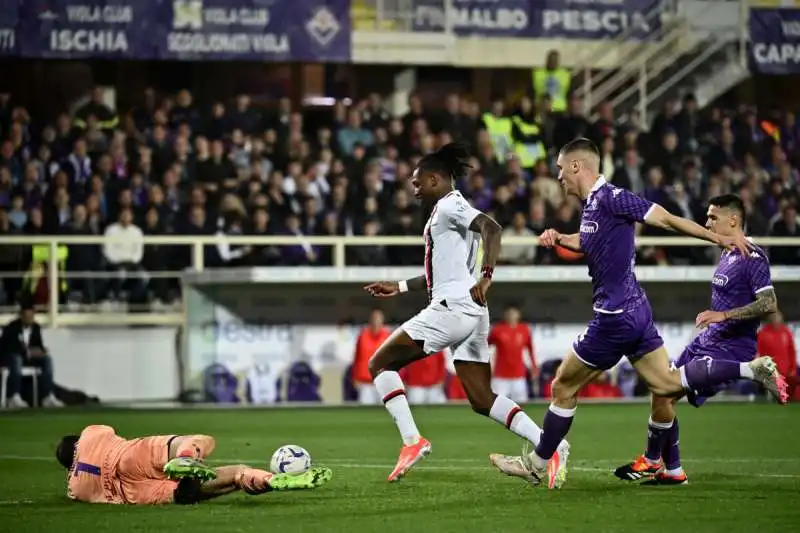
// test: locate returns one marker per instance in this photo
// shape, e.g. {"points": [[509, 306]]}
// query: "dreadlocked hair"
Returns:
{"points": [[450, 160]]}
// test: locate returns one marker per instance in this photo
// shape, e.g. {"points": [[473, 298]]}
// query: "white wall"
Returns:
{"points": [[116, 364]]}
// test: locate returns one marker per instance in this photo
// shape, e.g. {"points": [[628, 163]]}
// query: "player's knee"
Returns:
{"points": [[482, 403], [661, 408], [375, 367], [663, 391], [563, 391]]}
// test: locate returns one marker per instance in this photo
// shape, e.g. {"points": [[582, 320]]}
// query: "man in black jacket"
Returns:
{"points": [[21, 345]]}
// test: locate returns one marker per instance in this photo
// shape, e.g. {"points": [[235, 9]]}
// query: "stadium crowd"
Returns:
{"points": [[174, 166]]}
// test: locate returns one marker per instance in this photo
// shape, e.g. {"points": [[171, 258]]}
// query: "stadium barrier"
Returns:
{"points": [[254, 324], [339, 272]]}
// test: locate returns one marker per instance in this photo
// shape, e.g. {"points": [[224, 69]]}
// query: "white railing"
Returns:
{"points": [[197, 244]]}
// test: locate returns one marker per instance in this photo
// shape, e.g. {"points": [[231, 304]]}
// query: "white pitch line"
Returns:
{"points": [[447, 466]]}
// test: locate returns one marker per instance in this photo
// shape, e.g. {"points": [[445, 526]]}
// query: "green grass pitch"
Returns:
{"points": [[743, 461]]}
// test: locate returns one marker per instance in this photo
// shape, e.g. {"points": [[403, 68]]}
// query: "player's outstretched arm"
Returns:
{"points": [[661, 218], [387, 289]]}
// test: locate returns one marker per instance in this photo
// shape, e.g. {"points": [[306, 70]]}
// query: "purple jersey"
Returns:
{"points": [[736, 282], [607, 240]]}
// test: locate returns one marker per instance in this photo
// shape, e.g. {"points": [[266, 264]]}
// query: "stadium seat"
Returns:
{"points": [[27, 371]]}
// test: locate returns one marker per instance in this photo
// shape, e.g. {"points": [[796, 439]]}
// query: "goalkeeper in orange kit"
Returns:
{"points": [[106, 468]]}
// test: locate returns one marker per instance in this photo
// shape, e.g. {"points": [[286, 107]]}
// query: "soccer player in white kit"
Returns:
{"points": [[456, 316]]}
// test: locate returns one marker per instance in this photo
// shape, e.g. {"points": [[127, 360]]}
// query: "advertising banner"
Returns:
{"points": [[298, 30], [253, 30], [565, 19], [775, 40], [232, 361]]}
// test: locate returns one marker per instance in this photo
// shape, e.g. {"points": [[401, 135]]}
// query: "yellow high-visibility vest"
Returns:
{"points": [[528, 153], [499, 129], [554, 83], [39, 265]]}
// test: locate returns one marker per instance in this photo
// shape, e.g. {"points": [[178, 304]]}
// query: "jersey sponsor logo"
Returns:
{"points": [[720, 280], [589, 227]]}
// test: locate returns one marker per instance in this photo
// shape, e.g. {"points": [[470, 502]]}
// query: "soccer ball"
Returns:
{"points": [[290, 459]]}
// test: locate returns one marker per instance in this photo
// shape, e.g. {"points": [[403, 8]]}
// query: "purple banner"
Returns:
{"points": [[9, 22], [564, 19], [298, 30], [259, 30], [775, 40]]}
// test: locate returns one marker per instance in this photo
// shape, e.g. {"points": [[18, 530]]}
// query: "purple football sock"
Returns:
{"points": [[672, 453], [705, 372], [557, 422], [656, 437]]}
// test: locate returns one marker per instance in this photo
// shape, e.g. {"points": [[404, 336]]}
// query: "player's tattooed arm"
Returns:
{"points": [[490, 232], [766, 303]]}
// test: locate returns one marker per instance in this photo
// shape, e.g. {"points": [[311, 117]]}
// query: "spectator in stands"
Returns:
{"points": [[124, 252], [230, 254], [787, 225], [106, 118], [298, 254], [78, 165], [518, 254], [22, 345], [353, 134], [181, 156], [84, 258], [572, 124]]}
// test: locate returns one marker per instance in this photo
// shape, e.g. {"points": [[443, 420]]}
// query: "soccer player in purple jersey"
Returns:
{"points": [[623, 321], [741, 295]]}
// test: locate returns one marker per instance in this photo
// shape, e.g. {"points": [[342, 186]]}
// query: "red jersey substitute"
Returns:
{"points": [[511, 342], [777, 341], [427, 372], [367, 344]]}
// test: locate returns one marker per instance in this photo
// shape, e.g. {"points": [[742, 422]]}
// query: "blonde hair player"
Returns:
{"points": [[623, 320]]}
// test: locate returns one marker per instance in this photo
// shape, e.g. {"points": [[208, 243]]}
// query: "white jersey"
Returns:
{"points": [[451, 249]]}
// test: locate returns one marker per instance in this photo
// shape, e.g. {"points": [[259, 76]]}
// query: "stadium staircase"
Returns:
{"points": [[702, 53]]}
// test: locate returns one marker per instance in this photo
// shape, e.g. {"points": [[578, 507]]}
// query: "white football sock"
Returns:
{"points": [[511, 415], [746, 371], [674, 471], [393, 394]]}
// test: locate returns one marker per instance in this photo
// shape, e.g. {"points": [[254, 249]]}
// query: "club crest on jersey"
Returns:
{"points": [[589, 227], [720, 280], [591, 206]]}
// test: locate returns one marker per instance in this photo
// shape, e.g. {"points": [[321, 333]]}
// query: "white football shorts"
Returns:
{"points": [[459, 327], [513, 388]]}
